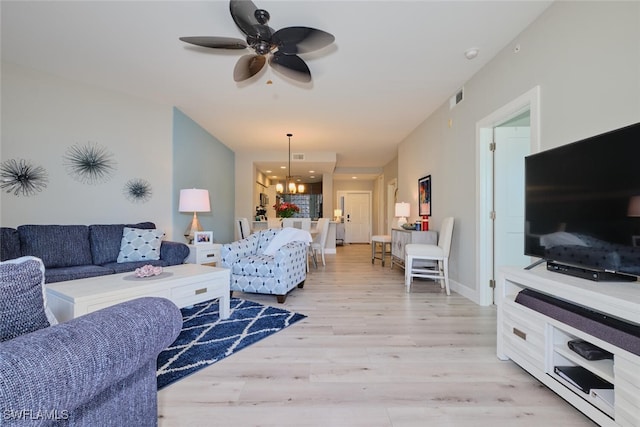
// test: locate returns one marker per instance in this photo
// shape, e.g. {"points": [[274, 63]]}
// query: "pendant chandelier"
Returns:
{"points": [[290, 186]]}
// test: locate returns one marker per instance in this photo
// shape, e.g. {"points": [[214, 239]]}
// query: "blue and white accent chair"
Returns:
{"points": [[275, 272]]}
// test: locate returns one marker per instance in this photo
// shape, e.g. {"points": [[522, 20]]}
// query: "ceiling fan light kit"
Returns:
{"points": [[279, 48]]}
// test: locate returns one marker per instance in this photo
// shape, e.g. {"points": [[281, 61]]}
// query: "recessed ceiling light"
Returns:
{"points": [[312, 171], [283, 167], [471, 53], [312, 176], [354, 177], [268, 171]]}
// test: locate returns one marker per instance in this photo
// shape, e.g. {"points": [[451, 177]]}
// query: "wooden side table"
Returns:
{"points": [[204, 254]]}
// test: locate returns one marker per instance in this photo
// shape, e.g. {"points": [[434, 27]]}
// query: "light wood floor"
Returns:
{"points": [[369, 355]]}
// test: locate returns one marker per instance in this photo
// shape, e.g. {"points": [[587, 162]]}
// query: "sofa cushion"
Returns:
{"points": [[255, 265], [125, 267], [22, 306], [60, 274], [9, 243], [140, 244], [105, 240], [56, 245], [265, 237]]}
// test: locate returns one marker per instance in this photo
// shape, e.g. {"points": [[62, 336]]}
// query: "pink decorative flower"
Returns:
{"points": [[148, 270], [286, 210]]}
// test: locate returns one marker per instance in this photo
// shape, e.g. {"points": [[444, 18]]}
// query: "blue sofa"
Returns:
{"points": [[95, 370], [79, 251]]}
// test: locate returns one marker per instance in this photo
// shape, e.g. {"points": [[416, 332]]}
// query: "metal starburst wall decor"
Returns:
{"points": [[22, 178], [138, 190], [89, 163]]}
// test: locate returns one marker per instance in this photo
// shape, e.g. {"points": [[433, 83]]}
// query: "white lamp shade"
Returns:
{"points": [[403, 209], [279, 188], [337, 213], [194, 200]]}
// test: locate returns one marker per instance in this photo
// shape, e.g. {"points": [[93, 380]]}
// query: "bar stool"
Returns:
{"points": [[383, 240]]}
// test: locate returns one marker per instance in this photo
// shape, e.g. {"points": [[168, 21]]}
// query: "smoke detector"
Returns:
{"points": [[471, 53]]}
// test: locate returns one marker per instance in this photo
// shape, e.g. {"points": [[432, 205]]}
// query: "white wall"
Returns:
{"points": [[585, 58], [43, 115]]}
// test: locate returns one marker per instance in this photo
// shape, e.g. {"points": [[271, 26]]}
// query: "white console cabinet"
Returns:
{"points": [[538, 343], [401, 237]]}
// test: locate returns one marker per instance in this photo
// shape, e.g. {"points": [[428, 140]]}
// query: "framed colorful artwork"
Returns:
{"points": [[424, 196]]}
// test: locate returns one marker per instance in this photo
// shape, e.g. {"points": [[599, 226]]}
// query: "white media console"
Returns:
{"points": [[538, 343]]}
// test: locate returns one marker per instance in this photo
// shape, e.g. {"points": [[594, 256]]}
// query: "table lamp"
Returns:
{"points": [[403, 210], [337, 213], [194, 200]]}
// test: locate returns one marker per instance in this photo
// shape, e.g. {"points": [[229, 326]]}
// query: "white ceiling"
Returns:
{"points": [[392, 64]]}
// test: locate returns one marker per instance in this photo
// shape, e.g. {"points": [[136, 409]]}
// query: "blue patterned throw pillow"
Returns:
{"points": [[140, 245], [23, 302]]}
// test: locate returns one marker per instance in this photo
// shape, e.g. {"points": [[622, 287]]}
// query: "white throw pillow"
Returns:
{"points": [[286, 236], [140, 245]]}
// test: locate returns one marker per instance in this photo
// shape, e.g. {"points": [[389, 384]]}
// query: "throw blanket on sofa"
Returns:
{"points": [[287, 235]]}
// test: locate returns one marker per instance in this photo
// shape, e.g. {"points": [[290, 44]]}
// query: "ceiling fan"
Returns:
{"points": [[280, 47]]}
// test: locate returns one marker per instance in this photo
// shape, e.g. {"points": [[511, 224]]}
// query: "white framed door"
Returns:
{"points": [[512, 145], [357, 216], [392, 198], [497, 229]]}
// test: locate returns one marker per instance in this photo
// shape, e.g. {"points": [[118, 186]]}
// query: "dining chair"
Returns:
{"points": [[300, 223], [274, 223], [320, 240], [242, 228], [288, 222], [430, 261]]}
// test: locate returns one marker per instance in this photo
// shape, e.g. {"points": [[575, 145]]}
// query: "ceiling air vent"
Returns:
{"points": [[456, 99], [297, 156]]}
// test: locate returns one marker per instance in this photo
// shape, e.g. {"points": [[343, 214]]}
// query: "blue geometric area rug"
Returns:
{"points": [[206, 339]]}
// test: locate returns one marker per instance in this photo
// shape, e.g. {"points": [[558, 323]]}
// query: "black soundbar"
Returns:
{"points": [[589, 274]]}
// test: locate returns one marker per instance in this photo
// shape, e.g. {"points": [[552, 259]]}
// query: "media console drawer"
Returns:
{"points": [[523, 335]]}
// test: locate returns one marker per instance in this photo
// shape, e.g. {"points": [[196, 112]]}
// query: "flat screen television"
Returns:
{"points": [[582, 206]]}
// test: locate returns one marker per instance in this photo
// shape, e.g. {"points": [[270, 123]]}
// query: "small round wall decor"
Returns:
{"points": [[89, 163], [22, 178], [138, 190]]}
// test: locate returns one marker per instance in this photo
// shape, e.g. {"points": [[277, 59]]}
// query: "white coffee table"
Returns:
{"points": [[185, 285]]}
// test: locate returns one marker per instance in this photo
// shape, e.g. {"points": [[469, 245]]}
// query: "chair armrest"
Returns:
{"points": [[285, 252], [173, 253], [62, 367]]}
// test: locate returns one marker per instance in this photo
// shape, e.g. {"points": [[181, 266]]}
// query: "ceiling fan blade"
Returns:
{"points": [[216, 42], [243, 13], [291, 66], [248, 66], [294, 40]]}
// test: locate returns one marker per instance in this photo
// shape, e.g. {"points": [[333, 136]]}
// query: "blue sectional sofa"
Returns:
{"points": [[95, 370], [79, 251]]}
